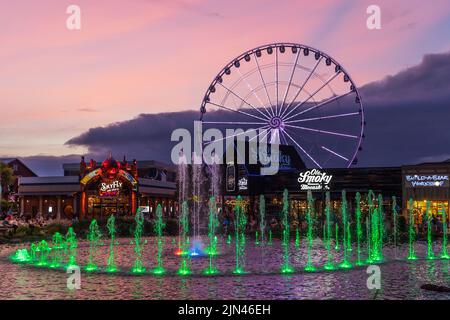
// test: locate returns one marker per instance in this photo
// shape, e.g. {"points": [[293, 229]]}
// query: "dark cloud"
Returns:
{"points": [[407, 121]]}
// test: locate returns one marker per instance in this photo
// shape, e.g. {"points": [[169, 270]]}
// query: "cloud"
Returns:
{"points": [[87, 110]]}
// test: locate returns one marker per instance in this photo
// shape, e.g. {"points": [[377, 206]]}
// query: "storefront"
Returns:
{"points": [[91, 190], [428, 186]]}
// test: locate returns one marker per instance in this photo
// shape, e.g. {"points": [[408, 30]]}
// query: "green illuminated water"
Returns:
{"points": [[57, 250], [411, 232], [381, 227], [240, 224], [158, 228], [262, 218], [428, 216], [359, 232], [111, 226], [346, 240], [395, 223], [297, 238], [269, 241], [43, 251], [309, 234], [138, 266], [184, 240], [213, 224], [336, 238], [286, 267], [71, 245], [93, 237], [327, 236], [444, 253]]}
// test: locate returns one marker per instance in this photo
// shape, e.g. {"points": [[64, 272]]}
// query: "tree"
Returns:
{"points": [[7, 179]]}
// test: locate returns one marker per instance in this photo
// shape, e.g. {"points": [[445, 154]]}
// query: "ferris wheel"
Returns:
{"points": [[290, 94]]}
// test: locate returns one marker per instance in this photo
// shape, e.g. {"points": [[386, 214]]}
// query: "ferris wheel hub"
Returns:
{"points": [[276, 123]]}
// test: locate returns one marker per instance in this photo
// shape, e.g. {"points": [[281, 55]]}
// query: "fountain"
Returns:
{"points": [[395, 223], [286, 267], [111, 226], [346, 240], [444, 253], [240, 222], [138, 266], [93, 237], [71, 245], [262, 217], [212, 227], [411, 232], [359, 262], [183, 250], [309, 234], [297, 238], [158, 228], [57, 247], [327, 237], [43, 255], [381, 227], [428, 217]]}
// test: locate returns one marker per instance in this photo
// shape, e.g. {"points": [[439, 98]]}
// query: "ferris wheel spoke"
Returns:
{"points": [[254, 93], [303, 150], [234, 122], [283, 137], [237, 134], [323, 131], [324, 117], [263, 82], [276, 79], [303, 85], [238, 111], [290, 81], [266, 132], [334, 153], [321, 104], [313, 94], [244, 101]]}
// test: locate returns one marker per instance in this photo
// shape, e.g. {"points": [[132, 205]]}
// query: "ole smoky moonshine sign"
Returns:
{"points": [[314, 180]]}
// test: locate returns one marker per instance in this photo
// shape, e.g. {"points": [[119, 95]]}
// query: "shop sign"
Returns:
{"points": [[314, 180], [110, 189], [243, 184], [419, 181], [230, 177]]}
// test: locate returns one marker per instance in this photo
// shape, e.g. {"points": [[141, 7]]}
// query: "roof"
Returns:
{"points": [[143, 164], [9, 160], [49, 180]]}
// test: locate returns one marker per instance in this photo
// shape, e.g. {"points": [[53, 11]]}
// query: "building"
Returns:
{"points": [[97, 189], [425, 183], [19, 170]]}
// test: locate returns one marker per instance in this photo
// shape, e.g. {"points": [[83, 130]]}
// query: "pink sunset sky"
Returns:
{"points": [[142, 56]]}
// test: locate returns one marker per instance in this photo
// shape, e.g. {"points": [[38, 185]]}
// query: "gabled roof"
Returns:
{"points": [[9, 160]]}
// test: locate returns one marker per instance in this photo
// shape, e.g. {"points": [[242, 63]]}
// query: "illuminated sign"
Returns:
{"points": [[90, 176], [435, 180], [145, 209], [110, 189], [314, 180], [231, 176], [243, 183]]}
